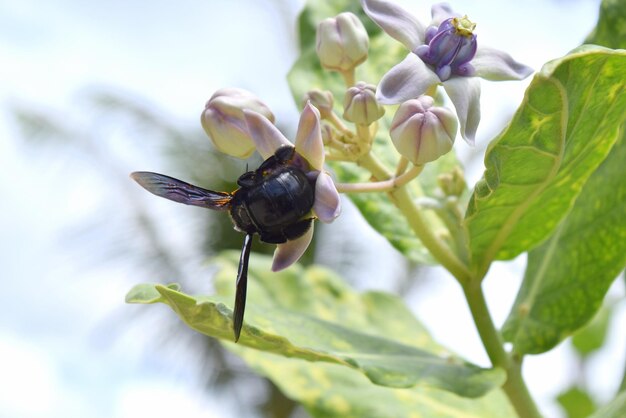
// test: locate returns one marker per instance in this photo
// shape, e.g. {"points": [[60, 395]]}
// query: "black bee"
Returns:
{"points": [[273, 201]]}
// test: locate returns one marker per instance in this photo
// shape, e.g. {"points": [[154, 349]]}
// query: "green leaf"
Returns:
{"points": [[615, 409], [568, 275], [591, 337], [577, 403], [384, 53], [535, 169], [331, 391], [147, 293], [611, 28], [311, 315]]}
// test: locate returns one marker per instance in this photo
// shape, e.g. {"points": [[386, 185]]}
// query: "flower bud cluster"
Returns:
{"points": [[223, 120], [422, 132], [452, 183]]}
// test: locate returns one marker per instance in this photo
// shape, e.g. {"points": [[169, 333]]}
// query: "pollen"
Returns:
{"points": [[463, 26]]}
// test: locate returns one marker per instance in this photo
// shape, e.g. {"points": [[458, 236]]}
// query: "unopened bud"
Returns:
{"points": [[421, 132], [453, 183], [360, 105], [342, 42], [224, 123], [322, 100]]}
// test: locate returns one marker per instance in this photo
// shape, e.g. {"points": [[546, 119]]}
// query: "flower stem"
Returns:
{"points": [[337, 123], [348, 77], [402, 165], [514, 387], [381, 186], [364, 133]]}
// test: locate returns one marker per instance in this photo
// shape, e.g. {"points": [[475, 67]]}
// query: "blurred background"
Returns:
{"points": [[90, 91]]}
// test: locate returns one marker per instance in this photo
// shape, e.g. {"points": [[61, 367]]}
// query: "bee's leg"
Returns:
{"points": [[298, 229], [241, 286]]}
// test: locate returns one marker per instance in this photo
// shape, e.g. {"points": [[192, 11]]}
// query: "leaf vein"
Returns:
{"points": [[529, 148]]}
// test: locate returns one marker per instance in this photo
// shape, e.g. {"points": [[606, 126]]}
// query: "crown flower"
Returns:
{"points": [[309, 149], [445, 53]]}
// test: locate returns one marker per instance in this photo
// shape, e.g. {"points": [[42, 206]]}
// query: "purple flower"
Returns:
{"points": [[445, 53], [310, 150]]}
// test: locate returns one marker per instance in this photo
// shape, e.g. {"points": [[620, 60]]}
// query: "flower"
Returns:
{"points": [[445, 53], [310, 153], [223, 121], [422, 132], [360, 105], [342, 42]]}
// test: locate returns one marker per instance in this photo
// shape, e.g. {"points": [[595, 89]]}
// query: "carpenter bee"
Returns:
{"points": [[274, 201]]}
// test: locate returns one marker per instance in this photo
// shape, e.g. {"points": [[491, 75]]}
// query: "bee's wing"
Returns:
{"points": [[179, 191]]}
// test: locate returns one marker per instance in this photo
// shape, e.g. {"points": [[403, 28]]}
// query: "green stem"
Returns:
{"points": [[514, 387], [403, 200], [437, 247]]}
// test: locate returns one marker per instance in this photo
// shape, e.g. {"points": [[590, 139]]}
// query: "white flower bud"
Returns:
{"points": [[342, 42], [321, 99], [224, 123], [360, 105], [421, 132]]}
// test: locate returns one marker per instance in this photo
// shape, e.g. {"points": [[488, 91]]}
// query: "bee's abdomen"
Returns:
{"points": [[280, 200]]}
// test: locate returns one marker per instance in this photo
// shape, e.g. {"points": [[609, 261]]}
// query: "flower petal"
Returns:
{"points": [[288, 253], [464, 92], [441, 12], [492, 64], [407, 80], [396, 22], [327, 205], [309, 143], [265, 135]]}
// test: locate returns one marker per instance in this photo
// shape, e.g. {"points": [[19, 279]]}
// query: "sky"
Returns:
{"points": [[60, 356]]}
